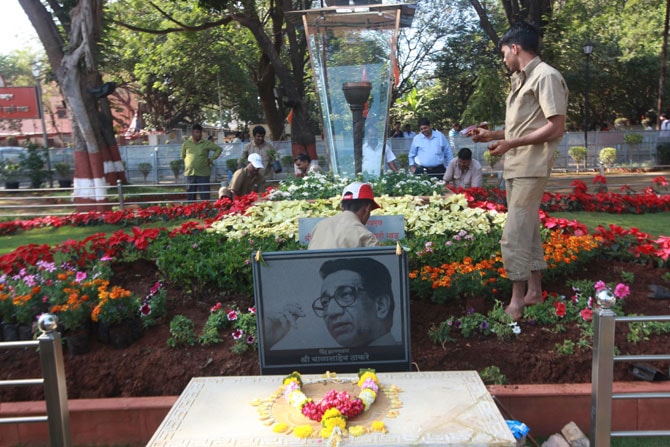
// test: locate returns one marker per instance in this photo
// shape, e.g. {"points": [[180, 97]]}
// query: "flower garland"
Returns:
{"points": [[335, 408]]}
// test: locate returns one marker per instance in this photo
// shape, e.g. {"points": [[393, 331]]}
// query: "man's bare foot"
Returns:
{"points": [[531, 299], [514, 311]]}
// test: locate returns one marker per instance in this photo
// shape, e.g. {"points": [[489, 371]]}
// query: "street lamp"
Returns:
{"points": [[588, 49], [40, 108]]}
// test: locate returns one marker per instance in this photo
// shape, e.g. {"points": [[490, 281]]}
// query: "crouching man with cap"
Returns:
{"points": [[246, 179], [347, 229]]}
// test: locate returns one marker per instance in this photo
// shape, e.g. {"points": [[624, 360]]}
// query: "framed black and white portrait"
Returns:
{"points": [[332, 310]]}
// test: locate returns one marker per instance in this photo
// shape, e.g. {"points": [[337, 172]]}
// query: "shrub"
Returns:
{"points": [[578, 154], [177, 167], [607, 156], [633, 138], [231, 164], [145, 169], [492, 160], [33, 164], [182, 332]]}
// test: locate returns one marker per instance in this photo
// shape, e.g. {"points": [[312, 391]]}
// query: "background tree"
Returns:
{"points": [[71, 33]]}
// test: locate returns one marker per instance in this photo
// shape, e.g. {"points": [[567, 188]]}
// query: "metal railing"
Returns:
{"points": [[53, 378], [603, 371]]}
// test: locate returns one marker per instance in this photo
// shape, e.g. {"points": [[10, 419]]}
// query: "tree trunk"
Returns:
{"points": [[664, 63], [97, 158]]}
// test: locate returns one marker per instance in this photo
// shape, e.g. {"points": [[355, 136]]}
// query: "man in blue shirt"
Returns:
{"points": [[430, 152]]}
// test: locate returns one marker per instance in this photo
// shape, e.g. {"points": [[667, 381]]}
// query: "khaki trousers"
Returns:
{"points": [[521, 243]]}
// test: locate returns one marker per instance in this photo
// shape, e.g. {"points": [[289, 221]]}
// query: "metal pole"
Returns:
{"points": [[55, 390], [602, 373], [40, 108], [586, 108]]}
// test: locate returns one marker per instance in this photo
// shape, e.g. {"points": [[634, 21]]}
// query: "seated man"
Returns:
{"points": [[246, 179], [463, 171], [303, 166], [347, 229]]}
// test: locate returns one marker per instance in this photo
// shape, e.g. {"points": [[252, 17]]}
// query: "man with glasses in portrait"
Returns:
{"points": [[356, 304]]}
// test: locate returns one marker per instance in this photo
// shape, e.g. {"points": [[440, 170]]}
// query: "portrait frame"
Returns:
{"points": [[286, 284]]}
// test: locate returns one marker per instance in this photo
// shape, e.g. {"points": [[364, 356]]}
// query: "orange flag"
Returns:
{"points": [[289, 117]]}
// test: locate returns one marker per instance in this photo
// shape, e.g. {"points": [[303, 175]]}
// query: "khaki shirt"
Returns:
{"points": [[468, 179], [538, 92], [264, 149], [343, 230], [244, 182], [196, 157]]}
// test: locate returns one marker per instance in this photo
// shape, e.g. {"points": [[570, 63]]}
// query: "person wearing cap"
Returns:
{"points": [[197, 163], [259, 146], [347, 229], [247, 179], [463, 171]]}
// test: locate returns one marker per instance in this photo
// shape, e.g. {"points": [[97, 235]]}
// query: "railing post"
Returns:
{"points": [[55, 388], [602, 370], [119, 189]]}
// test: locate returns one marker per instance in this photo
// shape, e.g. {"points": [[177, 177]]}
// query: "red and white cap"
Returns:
{"points": [[358, 191]]}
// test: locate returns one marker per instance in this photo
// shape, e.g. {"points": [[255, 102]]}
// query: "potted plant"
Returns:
{"points": [[231, 167], [64, 173], [10, 173], [34, 164]]}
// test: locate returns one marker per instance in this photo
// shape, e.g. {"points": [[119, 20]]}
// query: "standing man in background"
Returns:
{"points": [[534, 126], [430, 152], [197, 163], [259, 146]]}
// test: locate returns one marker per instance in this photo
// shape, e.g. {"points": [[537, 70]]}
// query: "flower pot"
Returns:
{"points": [[10, 331], [120, 335], [77, 342], [11, 185], [65, 183], [25, 331]]}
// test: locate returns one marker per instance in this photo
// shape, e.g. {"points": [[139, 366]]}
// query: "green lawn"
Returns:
{"points": [[655, 224]]}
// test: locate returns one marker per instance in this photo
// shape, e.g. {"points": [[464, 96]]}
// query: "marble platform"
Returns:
{"points": [[446, 408]]}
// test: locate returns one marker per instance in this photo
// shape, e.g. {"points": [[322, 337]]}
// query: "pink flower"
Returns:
{"points": [[232, 315], [250, 340], [252, 310], [80, 276], [600, 286], [587, 314], [621, 291], [237, 334]]}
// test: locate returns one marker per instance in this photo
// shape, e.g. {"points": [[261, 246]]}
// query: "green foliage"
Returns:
{"points": [[633, 138], [607, 156], [182, 332], [63, 170], [226, 266], [34, 164], [10, 171], [628, 277], [287, 161], [641, 330], [145, 169], [496, 322], [231, 164], [491, 375], [566, 348], [403, 161], [177, 167], [577, 153], [666, 276], [491, 160]]}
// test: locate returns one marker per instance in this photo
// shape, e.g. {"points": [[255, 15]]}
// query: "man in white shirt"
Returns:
{"points": [[372, 154], [665, 126], [408, 132], [464, 172]]}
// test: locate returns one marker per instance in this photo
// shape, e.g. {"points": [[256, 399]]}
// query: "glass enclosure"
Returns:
{"points": [[353, 54]]}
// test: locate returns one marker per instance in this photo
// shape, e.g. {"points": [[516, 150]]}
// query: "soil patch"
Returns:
{"points": [[150, 368]]}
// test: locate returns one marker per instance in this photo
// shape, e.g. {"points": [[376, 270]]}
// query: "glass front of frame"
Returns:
{"points": [[357, 60]]}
